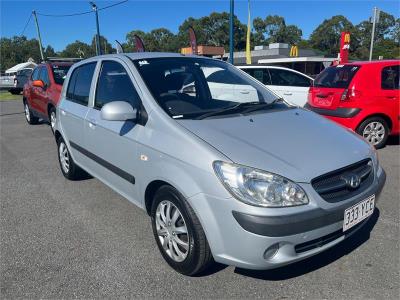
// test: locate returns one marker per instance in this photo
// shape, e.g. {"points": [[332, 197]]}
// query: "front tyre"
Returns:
{"points": [[375, 131], [178, 233], [29, 117], [52, 119], [67, 165]]}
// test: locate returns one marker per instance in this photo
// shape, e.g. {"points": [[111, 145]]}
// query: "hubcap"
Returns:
{"points": [[172, 231], [374, 133], [64, 157], [27, 113], [53, 120]]}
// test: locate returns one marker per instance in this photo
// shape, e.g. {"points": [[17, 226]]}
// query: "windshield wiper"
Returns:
{"points": [[251, 106]]}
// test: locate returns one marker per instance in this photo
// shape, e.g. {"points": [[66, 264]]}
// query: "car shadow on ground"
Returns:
{"points": [[393, 140], [318, 261]]}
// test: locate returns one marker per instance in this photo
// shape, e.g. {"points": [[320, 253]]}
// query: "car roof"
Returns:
{"points": [[375, 62]]}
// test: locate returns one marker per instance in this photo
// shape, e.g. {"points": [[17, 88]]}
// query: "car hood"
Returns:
{"points": [[294, 143]]}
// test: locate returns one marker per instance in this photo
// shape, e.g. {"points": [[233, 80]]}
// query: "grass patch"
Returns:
{"points": [[7, 96]]}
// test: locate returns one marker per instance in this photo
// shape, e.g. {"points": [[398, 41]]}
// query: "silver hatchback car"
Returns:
{"points": [[227, 171]]}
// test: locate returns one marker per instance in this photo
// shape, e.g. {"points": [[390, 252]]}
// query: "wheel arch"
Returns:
{"points": [[150, 191], [380, 115], [49, 106]]}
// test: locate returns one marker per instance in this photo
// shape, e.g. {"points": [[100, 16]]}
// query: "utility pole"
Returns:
{"points": [[375, 19], [98, 48], [38, 33], [231, 32]]}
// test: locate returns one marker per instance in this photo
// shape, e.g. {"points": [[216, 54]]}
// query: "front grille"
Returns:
{"points": [[319, 242], [334, 186]]}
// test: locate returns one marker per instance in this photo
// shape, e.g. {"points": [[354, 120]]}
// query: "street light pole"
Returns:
{"points": [[231, 32], [38, 33], [374, 20], [98, 48]]}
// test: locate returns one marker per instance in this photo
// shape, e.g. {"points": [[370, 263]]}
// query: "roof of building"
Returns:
{"points": [[21, 66]]}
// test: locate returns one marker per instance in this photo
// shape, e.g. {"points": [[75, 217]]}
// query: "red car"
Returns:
{"points": [[42, 91], [363, 96]]}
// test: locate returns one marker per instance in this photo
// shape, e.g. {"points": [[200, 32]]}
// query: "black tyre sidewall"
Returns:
{"points": [[190, 264], [52, 109], [364, 124]]}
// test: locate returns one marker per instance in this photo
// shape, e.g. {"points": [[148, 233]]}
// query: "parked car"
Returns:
{"points": [[363, 96], [289, 84], [242, 183], [42, 92], [20, 79]]}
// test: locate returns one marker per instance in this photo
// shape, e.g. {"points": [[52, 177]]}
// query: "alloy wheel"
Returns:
{"points": [[64, 157], [27, 112], [374, 133], [172, 231]]}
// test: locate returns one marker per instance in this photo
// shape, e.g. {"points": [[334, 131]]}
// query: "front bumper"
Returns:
{"points": [[239, 234]]}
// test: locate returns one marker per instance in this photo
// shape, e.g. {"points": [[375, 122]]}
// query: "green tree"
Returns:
{"points": [[326, 37], [78, 49], [106, 47], [16, 50]]}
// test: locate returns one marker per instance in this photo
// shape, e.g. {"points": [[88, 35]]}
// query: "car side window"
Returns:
{"points": [[44, 76], [390, 78], [114, 84], [261, 74], [288, 78], [35, 74], [80, 82]]}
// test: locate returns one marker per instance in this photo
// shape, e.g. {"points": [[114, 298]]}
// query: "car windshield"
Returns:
{"points": [[59, 73], [189, 88], [338, 76]]}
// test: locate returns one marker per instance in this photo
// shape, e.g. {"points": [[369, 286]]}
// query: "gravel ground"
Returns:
{"points": [[62, 239]]}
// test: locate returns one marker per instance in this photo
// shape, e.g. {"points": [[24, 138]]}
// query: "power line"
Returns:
{"points": [[80, 13], [26, 25]]}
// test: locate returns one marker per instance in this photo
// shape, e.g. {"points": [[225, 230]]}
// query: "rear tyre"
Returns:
{"points": [[52, 119], [15, 91], [29, 117], [375, 131], [178, 233], [67, 165]]}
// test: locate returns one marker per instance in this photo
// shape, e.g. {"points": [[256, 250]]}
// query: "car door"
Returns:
{"points": [[33, 90], [389, 93], [112, 145], [290, 85], [73, 109]]}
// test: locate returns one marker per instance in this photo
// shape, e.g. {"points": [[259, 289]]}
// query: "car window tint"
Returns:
{"points": [[288, 78], [338, 76], [59, 73], [390, 78], [261, 74], [80, 82], [114, 84], [35, 74], [44, 76]]}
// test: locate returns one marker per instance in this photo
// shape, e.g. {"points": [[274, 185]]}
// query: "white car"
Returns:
{"points": [[289, 84]]}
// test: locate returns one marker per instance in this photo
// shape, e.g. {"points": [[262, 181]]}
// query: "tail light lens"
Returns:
{"points": [[349, 95]]}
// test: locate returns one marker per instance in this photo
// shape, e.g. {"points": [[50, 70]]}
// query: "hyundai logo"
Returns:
{"points": [[352, 180]]}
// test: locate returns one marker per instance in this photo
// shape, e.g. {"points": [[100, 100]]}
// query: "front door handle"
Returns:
{"points": [[391, 97], [288, 94], [244, 92], [92, 123], [63, 112]]}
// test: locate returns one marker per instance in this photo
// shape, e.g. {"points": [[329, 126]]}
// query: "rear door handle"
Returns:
{"points": [[391, 97], [92, 123], [244, 92], [63, 112], [288, 94]]}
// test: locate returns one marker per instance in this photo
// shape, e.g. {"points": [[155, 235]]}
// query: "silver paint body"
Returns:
{"points": [[295, 143]]}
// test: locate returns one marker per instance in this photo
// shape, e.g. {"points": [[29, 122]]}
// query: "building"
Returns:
{"points": [[209, 51]]}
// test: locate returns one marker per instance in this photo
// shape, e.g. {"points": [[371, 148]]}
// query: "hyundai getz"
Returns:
{"points": [[255, 183]]}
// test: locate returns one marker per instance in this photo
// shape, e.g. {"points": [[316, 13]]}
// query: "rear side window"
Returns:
{"points": [[390, 78], [288, 78], [35, 74], [79, 84], [44, 76], [338, 76], [114, 84]]}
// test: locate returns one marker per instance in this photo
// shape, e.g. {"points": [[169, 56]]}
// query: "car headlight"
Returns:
{"points": [[259, 188]]}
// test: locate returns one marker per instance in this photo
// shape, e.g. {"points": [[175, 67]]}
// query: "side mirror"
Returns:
{"points": [[118, 111], [38, 83]]}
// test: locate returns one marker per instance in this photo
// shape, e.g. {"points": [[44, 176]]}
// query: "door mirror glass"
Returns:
{"points": [[118, 111], [38, 83]]}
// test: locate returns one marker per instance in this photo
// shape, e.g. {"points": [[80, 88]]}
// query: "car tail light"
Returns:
{"points": [[350, 95]]}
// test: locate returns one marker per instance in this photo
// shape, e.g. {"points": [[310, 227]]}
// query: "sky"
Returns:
{"points": [[117, 21]]}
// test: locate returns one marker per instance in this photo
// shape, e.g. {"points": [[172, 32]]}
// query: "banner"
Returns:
{"points": [[294, 51], [344, 47], [248, 46], [118, 46], [193, 40], [139, 44]]}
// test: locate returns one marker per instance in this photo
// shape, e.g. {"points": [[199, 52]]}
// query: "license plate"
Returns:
{"points": [[358, 212]]}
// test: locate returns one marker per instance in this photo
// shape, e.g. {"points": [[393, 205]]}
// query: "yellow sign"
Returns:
{"points": [[347, 38], [294, 51]]}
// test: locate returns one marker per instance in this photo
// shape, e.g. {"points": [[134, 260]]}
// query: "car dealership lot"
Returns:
{"points": [[81, 239]]}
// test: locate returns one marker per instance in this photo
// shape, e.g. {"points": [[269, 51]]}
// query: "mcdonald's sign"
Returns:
{"points": [[294, 51], [344, 47]]}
